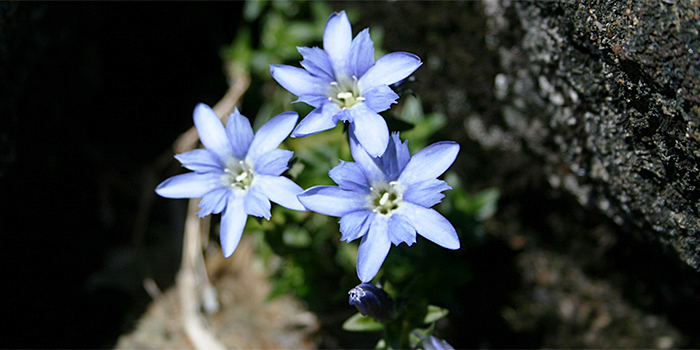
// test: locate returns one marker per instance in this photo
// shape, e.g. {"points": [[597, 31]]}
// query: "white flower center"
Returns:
{"points": [[385, 198], [238, 174], [345, 93]]}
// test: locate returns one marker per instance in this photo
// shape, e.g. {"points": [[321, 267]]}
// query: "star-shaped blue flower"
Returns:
{"points": [[387, 200], [238, 173], [343, 82]]}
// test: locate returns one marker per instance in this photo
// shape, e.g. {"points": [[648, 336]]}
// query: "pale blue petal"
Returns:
{"points": [[431, 225], [200, 160], [349, 176], [232, 224], [315, 101], [343, 115], [372, 171], [320, 119], [361, 54], [374, 248], [403, 155], [240, 133], [298, 81], [190, 185], [354, 225], [370, 129], [380, 98], [271, 135], [211, 131], [389, 69], [337, 38], [394, 158], [401, 231], [430, 162], [280, 190], [214, 202], [331, 200], [257, 204], [426, 193], [274, 162], [316, 62]]}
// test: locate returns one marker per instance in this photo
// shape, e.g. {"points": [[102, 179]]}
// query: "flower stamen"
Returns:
{"points": [[237, 174]]}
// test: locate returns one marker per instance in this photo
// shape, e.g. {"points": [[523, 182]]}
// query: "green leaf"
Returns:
{"points": [[359, 323], [434, 313]]}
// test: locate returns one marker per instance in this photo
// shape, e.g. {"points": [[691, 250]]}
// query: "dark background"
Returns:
{"points": [[92, 93]]}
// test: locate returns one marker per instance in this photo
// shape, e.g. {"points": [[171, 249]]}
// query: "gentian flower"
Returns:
{"points": [[238, 173], [343, 82], [372, 301], [387, 200]]}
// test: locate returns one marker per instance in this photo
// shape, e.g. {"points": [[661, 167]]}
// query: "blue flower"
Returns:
{"points": [[238, 173], [387, 200], [343, 82], [372, 301]]}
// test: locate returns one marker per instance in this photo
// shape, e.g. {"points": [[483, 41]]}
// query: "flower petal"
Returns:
{"points": [[430, 162], [361, 54], [214, 202], [394, 158], [372, 171], [401, 231], [380, 98], [271, 135], [257, 204], [374, 248], [316, 62], [280, 190], [232, 224], [389, 69], [370, 129], [189, 185], [431, 225], [426, 193], [337, 38], [349, 176], [298, 81], [240, 133], [313, 100], [200, 160], [211, 131], [320, 119], [354, 225], [274, 162], [331, 200]]}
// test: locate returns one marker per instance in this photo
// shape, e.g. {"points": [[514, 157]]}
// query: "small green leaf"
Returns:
{"points": [[434, 313], [359, 323]]}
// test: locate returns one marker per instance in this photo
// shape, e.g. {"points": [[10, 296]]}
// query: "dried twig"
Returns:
{"points": [[192, 281]]}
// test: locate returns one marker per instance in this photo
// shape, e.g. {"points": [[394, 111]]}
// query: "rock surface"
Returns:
{"points": [[607, 95]]}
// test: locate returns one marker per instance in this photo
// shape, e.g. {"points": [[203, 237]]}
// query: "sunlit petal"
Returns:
{"points": [[431, 225], [374, 248], [190, 185], [430, 162], [331, 200]]}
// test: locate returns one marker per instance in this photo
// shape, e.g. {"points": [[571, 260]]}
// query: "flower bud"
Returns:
{"points": [[372, 301]]}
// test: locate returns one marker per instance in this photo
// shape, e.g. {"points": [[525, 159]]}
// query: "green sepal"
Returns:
{"points": [[359, 323], [434, 313]]}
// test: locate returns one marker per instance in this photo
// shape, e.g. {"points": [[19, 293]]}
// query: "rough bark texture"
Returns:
{"points": [[607, 94]]}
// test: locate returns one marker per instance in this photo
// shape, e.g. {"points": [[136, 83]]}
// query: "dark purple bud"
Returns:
{"points": [[372, 301]]}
